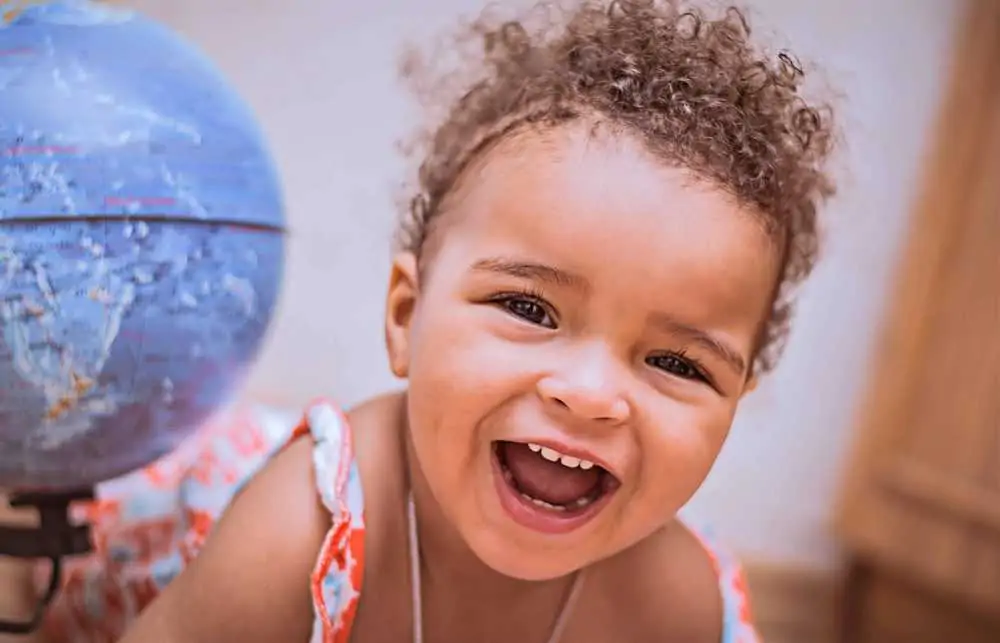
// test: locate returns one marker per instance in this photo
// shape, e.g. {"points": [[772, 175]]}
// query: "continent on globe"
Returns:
{"points": [[141, 242]]}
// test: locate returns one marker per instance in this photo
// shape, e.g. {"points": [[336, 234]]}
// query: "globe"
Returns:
{"points": [[141, 242]]}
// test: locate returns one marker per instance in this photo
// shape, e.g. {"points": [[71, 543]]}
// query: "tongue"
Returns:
{"points": [[544, 480]]}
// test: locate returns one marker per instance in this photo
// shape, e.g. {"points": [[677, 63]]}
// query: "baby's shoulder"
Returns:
{"points": [[680, 585], [378, 452]]}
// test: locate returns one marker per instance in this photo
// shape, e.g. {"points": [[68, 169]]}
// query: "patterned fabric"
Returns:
{"points": [[336, 579], [737, 618], [149, 525]]}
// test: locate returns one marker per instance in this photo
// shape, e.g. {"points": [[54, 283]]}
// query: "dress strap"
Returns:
{"points": [[737, 618], [333, 452], [336, 579]]}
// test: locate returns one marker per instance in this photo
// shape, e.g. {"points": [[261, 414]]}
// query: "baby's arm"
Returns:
{"points": [[251, 581]]}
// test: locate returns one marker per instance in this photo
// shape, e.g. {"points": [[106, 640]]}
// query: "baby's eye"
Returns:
{"points": [[529, 309], [678, 366]]}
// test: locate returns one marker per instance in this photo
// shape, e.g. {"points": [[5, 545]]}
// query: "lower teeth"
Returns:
{"points": [[579, 503], [576, 504]]}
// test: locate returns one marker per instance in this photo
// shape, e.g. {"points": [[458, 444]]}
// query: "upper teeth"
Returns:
{"points": [[566, 460]]}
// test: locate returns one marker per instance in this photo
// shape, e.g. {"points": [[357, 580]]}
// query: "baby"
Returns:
{"points": [[595, 269]]}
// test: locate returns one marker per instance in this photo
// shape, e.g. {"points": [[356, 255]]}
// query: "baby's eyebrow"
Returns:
{"points": [[530, 270], [724, 351]]}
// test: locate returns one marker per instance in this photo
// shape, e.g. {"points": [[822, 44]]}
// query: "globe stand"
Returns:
{"points": [[53, 539]]}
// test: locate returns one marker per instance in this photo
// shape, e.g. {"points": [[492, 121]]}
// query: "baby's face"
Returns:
{"points": [[576, 352]]}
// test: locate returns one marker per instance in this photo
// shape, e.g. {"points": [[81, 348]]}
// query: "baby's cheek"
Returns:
{"points": [[459, 358], [679, 453]]}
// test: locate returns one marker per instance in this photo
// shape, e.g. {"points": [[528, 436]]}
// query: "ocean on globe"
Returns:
{"points": [[141, 242]]}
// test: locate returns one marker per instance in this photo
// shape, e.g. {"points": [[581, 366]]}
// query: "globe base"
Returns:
{"points": [[53, 539]]}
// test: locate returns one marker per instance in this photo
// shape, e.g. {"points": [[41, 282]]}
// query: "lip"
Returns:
{"points": [[535, 518], [572, 451]]}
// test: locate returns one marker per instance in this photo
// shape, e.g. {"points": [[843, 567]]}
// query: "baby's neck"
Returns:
{"points": [[447, 562], [462, 597]]}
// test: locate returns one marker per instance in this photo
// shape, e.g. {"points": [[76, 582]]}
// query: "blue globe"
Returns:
{"points": [[141, 242]]}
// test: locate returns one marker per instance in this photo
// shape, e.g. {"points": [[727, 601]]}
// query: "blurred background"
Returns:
{"points": [[854, 445]]}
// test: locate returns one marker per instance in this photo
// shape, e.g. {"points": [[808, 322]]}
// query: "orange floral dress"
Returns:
{"points": [[149, 525]]}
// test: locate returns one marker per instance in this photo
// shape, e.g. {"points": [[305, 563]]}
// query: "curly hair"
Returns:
{"points": [[690, 86]]}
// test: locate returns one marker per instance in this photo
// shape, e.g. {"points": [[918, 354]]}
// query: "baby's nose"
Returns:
{"points": [[592, 388]]}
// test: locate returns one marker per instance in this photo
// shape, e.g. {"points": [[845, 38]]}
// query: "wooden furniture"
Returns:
{"points": [[920, 512]]}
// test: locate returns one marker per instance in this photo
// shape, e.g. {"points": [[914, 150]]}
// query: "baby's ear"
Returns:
{"points": [[751, 384], [401, 299]]}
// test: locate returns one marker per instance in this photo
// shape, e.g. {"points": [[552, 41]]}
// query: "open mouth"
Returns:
{"points": [[547, 490]]}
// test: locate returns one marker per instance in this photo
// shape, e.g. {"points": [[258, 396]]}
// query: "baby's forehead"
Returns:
{"points": [[571, 173], [612, 210], [573, 192], [578, 158]]}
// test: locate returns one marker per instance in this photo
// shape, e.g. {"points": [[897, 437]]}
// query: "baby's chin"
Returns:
{"points": [[534, 564]]}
